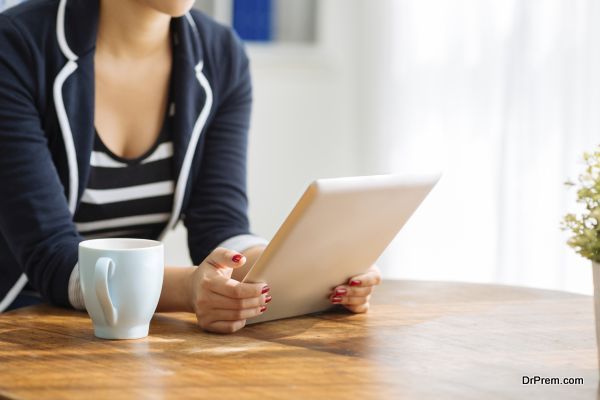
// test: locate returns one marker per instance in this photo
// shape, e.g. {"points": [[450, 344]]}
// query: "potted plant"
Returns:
{"points": [[584, 226]]}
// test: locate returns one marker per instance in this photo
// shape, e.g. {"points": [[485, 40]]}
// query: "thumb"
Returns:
{"points": [[225, 259]]}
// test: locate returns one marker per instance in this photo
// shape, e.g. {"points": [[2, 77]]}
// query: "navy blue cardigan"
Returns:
{"points": [[47, 129]]}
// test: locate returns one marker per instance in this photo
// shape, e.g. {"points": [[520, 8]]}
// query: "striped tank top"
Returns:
{"points": [[128, 197]]}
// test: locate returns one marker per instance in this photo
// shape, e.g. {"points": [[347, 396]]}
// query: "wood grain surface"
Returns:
{"points": [[421, 340]]}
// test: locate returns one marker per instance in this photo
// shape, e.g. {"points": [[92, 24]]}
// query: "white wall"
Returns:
{"points": [[503, 97]]}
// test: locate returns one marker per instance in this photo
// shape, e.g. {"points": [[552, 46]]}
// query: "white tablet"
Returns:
{"points": [[338, 229]]}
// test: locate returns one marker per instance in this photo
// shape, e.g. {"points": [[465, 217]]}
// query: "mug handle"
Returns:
{"points": [[104, 270]]}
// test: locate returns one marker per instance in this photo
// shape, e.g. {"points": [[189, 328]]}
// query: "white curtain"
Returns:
{"points": [[502, 96]]}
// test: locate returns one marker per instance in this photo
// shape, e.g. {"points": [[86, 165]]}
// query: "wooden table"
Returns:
{"points": [[421, 340]]}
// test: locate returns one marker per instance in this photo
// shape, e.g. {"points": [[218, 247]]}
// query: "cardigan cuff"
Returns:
{"points": [[240, 243], [75, 293]]}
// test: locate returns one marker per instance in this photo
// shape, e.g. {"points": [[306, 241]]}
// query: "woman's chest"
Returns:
{"points": [[130, 105]]}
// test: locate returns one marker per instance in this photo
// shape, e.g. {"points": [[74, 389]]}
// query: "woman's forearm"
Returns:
{"points": [[176, 290]]}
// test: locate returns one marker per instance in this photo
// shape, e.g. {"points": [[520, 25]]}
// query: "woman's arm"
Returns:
{"points": [[217, 210], [35, 220], [218, 204], [175, 294]]}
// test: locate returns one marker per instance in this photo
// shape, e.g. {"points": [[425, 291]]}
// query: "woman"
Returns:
{"points": [[118, 118]]}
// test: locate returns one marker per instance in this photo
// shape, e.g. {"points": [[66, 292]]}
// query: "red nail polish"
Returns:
{"points": [[355, 283], [237, 258], [340, 291], [268, 299], [336, 299], [265, 290], [263, 309]]}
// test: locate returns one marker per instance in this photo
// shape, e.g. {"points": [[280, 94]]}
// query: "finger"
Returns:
{"points": [[225, 326], [219, 301], [349, 300], [237, 290], [360, 308], [345, 290], [223, 258], [370, 278], [235, 315]]}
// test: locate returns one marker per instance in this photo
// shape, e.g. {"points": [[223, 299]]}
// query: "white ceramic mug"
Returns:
{"points": [[121, 280]]}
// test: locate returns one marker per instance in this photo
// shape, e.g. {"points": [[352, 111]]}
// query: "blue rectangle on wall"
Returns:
{"points": [[252, 19]]}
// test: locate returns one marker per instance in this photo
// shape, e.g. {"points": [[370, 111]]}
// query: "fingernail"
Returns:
{"points": [[265, 290], [268, 299], [355, 283], [263, 309], [341, 291], [236, 258], [336, 299]]}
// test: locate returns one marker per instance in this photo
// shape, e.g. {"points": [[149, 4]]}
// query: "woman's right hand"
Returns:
{"points": [[223, 304]]}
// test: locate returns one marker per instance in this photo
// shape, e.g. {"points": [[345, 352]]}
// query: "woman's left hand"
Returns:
{"points": [[356, 293]]}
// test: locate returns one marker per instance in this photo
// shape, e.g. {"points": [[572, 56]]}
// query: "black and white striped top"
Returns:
{"points": [[128, 197]]}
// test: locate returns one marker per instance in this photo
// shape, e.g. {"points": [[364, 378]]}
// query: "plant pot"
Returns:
{"points": [[596, 274]]}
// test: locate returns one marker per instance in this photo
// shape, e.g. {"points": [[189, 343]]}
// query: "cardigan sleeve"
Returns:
{"points": [[34, 217], [217, 211]]}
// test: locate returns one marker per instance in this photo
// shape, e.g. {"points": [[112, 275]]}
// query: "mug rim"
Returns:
{"points": [[143, 244]]}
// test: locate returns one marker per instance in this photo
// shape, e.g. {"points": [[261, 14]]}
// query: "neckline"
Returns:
{"points": [[163, 135], [133, 160]]}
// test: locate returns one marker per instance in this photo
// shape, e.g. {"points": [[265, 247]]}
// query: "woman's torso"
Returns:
{"points": [[130, 188]]}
